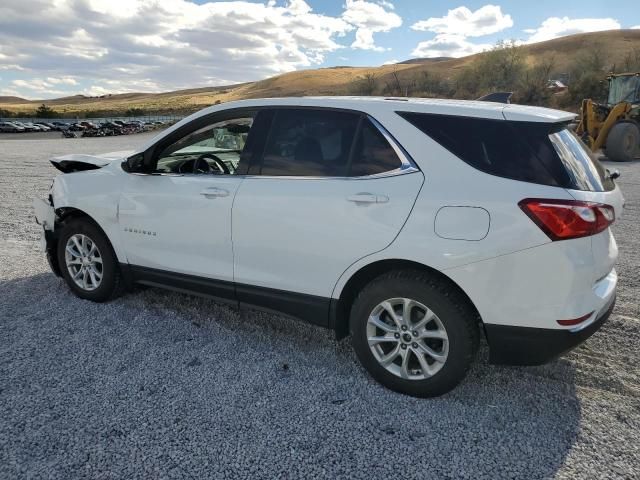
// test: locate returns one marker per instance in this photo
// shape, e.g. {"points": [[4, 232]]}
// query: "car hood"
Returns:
{"points": [[78, 162]]}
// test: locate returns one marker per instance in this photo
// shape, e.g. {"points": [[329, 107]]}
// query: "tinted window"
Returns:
{"points": [[543, 153], [305, 142], [372, 153]]}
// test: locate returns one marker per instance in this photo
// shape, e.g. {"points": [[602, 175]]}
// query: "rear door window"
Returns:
{"points": [[309, 143], [542, 153]]}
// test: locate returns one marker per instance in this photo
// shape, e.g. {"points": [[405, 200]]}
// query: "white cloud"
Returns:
{"points": [[62, 80], [466, 23], [391, 62], [456, 26], [445, 45], [637, 27], [96, 91], [129, 45], [35, 86], [386, 4], [555, 27], [369, 18]]}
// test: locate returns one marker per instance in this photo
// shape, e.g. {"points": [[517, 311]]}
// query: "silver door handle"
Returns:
{"points": [[214, 192], [368, 198]]}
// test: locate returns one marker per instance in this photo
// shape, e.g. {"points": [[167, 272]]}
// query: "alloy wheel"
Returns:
{"points": [[407, 338], [84, 262]]}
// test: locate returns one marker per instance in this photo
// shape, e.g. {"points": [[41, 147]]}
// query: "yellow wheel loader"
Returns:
{"points": [[614, 126]]}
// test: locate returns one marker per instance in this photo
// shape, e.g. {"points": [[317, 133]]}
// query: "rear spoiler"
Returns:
{"points": [[496, 97]]}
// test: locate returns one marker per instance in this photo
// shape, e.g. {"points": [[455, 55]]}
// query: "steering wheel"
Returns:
{"points": [[202, 160]]}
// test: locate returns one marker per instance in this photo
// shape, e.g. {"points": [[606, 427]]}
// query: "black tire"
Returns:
{"points": [[111, 284], [454, 312], [623, 142]]}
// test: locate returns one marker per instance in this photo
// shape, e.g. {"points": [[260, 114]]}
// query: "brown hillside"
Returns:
{"points": [[614, 44]]}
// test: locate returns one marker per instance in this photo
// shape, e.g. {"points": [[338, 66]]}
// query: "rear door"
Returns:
{"points": [[330, 188]]}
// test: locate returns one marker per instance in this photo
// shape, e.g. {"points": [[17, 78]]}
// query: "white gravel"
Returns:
{"points": [[162, 385]]}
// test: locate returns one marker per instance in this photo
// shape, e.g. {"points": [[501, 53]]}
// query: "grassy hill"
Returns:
{"points": [[613, 45]]}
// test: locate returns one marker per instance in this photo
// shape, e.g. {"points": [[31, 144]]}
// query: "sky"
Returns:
{"points": [[54, 48]]}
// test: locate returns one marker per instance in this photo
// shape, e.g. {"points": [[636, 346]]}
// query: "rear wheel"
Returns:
{"points": [[87, 261], [623, 142], [413, 333]]}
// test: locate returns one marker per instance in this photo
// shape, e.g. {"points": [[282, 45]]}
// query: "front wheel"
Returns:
{"points": [[413, 334], [87, 261]]}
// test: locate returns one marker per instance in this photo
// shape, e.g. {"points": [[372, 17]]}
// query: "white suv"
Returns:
{"points": [[414, 225]]}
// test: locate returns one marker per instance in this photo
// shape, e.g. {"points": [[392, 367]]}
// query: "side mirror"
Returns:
{"points": [[614, 174], [134, 164]]}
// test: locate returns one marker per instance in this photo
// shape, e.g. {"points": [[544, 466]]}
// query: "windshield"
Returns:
{"points": [[624, 89]]}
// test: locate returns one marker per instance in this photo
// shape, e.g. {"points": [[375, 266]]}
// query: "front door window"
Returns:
{"points": [[212, 150]]}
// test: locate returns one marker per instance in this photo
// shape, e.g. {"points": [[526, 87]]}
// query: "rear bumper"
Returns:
{"points": [[511, 345]]}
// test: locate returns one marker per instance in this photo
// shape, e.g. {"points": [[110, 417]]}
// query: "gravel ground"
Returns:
{"points": [[162, 385]]}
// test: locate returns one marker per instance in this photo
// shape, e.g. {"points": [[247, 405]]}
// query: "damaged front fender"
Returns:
{"points": [[46, 217]]}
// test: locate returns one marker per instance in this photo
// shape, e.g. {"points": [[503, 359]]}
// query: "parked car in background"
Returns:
{"points": [[10, 127], [32, 127], [42, 127], [61, 126], [28, 127], [411, 224]]}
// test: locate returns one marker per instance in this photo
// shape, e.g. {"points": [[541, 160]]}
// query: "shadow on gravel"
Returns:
{"points": [[157, 384]]}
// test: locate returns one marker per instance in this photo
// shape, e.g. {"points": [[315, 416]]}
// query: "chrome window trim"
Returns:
{"points": [[407, 164]]}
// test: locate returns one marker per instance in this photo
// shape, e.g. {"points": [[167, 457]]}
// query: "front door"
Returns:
{"points": [[177, 217]]}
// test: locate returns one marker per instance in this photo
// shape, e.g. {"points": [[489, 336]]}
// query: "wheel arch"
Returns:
{"points": [[65, 214], [341, 306]]}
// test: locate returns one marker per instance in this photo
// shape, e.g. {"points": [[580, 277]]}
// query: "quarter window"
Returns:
{"points": [[534, 152]]}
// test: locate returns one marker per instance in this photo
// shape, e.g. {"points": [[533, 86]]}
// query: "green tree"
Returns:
{"points": [[431, 85], [365, 85], [499, 69], [532, 89], [44, 111], [135, 112]]}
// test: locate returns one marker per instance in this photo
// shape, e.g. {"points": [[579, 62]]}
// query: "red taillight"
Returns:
{"points": [[564, 219]]}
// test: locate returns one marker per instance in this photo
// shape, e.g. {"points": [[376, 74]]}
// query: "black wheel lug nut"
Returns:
{"points": [[404, 327], [397, 335], [415, 334], [414, 345], [404, 346]]}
